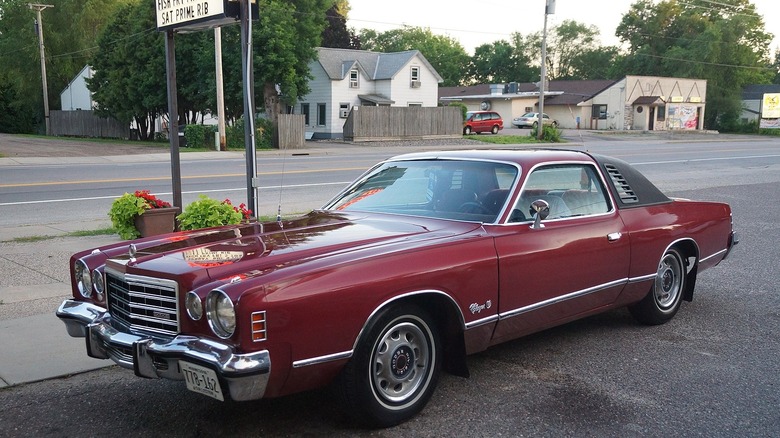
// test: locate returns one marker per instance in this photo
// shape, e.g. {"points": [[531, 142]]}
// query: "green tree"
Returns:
{"points": [[501, 62], [445, 54], [723, 42], [336, 35], [70, 29], [597, 63], [129, 81], [568, 40]]}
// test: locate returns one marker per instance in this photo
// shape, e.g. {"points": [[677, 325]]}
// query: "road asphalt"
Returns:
{"points": [[34, 344]]}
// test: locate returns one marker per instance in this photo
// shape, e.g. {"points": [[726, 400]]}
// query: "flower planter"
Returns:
{"points": [[156, 221]]}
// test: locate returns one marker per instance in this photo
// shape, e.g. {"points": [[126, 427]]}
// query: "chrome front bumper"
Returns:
{"points": [[246, 375]]}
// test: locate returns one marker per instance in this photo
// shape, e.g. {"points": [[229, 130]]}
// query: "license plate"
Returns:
{"points": [[201, 380]]}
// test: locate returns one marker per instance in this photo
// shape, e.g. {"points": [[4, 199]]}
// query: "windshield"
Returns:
{"points": [[446, 189]]}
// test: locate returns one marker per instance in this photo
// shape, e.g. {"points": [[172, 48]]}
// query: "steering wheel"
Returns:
{"points": [[473, 208]]}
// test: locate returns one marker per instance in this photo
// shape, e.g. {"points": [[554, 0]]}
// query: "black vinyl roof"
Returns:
{"points": [[628, 186]]}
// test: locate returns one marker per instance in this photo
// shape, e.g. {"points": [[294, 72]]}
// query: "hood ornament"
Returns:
{"points": [[133, 250]]}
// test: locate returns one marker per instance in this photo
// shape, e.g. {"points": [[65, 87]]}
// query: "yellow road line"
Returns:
{"points": [[167, 178]]}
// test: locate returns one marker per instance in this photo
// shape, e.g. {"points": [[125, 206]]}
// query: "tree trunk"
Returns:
{"points": [[271, 100]]}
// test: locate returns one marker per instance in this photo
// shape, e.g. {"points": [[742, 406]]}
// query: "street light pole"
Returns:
{"points": [[549, 8], [39, 30]]}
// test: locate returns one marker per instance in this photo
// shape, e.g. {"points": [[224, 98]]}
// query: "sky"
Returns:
{"points": [[477, 22]]}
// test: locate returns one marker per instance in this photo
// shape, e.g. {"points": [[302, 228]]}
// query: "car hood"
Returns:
{"points": [[255, 248]]}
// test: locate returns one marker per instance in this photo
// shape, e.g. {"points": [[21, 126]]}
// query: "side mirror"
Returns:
{"points": [[540, 209]]}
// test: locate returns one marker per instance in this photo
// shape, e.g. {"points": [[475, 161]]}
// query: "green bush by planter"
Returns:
{"points": [[125, 208], [207, 212]]}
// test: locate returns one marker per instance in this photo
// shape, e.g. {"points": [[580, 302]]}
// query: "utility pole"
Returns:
{"points": [[39, 30], [220, 88], [549, 8]]}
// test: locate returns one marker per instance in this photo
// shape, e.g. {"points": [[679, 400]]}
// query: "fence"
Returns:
{"points": [[371, 123], [291, 131], [86, 124]]}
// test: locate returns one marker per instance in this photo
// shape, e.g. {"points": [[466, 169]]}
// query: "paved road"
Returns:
{"points": [[712, 371]]}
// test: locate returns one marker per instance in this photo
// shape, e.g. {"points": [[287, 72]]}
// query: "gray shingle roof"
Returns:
{"points": [[378, 66], [756, 92]]}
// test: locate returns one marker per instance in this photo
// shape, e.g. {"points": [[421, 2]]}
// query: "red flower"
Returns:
{"points": [[151, 200]]}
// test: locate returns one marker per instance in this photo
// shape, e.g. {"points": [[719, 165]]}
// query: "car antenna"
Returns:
{"points": [[281, 188]]}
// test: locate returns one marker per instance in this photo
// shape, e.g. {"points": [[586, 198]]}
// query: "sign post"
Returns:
{"points": [[192, 16]]}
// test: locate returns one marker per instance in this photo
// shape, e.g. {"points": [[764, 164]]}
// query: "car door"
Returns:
{"points": [[575, 261]]}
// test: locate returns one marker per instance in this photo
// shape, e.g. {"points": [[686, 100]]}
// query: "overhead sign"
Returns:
{"points": [[770, 106], [192, 15]]}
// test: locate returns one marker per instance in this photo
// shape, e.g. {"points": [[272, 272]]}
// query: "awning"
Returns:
{"points": [[649, 100], [376, 99]]}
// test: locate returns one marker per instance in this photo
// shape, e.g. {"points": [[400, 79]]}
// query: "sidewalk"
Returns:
{"points": [[34, 344]]}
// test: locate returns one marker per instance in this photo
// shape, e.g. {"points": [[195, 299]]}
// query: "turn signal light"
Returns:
{"points": [[258, 327]]}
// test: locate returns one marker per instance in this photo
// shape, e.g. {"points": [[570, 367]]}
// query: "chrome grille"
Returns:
{"points": [[143, 304]]}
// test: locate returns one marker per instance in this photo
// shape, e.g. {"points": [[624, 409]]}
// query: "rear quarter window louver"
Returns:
{"points": [[623, 189]]}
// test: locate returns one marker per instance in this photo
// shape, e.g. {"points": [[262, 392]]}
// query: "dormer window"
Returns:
{"points": [[354, 78], [414, 75]]}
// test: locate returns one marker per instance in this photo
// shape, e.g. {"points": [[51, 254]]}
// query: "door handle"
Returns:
{"points": [[612, 237]]}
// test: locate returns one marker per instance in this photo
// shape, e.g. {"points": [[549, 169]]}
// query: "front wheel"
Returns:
{"points": [[494, 131], [663, 300], [394, 369], [467, 130]]}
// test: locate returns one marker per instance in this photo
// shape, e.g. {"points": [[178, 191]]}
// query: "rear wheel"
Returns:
{"points": [[394, 369], [663, 300], [535, 125]]}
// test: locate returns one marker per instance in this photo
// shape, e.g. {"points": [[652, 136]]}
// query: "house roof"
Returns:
{"points": [[376, 98], [558, 92], [378, 66], [756, 92]]}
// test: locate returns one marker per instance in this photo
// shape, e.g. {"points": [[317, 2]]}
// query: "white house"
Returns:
{"points": [[345, 78], [76, 96]]}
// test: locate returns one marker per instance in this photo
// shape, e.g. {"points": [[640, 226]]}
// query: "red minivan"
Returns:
{"points": [[482, 121]]}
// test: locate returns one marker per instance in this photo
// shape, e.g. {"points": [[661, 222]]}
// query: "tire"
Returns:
{"points": [[663, 301], [555, 124], [394, 369], [467, 130], [494, 131]]}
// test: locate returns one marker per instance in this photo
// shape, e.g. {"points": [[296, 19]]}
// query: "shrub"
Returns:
{"points": [[550, 134], [463, 108], [207, 212], [199, 136], [234, 135]]}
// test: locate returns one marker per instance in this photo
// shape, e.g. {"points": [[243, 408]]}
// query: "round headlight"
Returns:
{"points": [[194, 306], [97, 280], [83, 278], [221, 314]]}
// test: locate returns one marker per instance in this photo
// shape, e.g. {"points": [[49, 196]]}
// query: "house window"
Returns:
{"points": [[660, 113], [344, 110], [599, 112], [305, 111], [415, 77], [321, 114], [354, 78], [415, 104]]}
